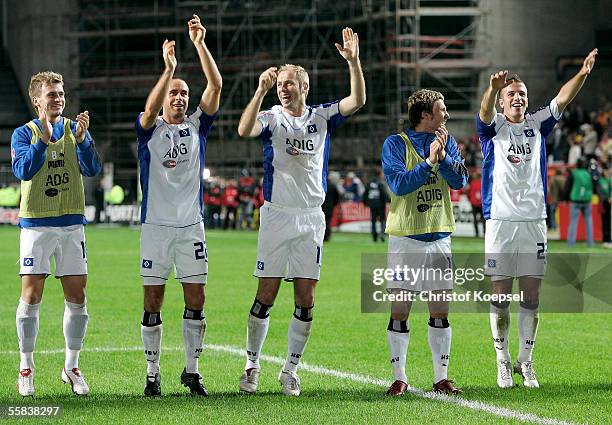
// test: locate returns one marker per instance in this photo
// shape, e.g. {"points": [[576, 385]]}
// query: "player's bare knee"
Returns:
{"points": [[400, 310], [304, 300], [32, 288], [194, 301], [266, 297], [400, 316], [304, 292], [530, 290], [438, 310], [193, 294], [75, 298], [503, 286], [267, 290], [30, 296], [75, 295], [153, 298]]}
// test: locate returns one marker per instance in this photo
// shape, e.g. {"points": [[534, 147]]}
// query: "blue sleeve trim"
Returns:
{"points": [[547, 126], [206, 122], [333, 120], [142, 135], [486, 189], [485, 130], [268, 167]]}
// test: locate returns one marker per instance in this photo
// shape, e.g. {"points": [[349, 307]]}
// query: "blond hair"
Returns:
{"points": [[300, 73], [422, 101], [45, 77]]}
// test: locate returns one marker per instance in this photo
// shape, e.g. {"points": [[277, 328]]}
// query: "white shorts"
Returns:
{"points": [[421, 266], [162, 247], [290, 242], [65, 244], [515, 249]]}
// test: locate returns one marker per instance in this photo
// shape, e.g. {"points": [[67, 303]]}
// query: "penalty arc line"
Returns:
{"points": [[362, 379]]}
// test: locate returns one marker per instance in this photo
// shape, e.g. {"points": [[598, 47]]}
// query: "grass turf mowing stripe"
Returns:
{"points": [[362, 379]]}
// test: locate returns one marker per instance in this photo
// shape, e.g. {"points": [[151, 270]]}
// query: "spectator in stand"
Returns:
{"points": [[246, 188], [557, 142], [475, 197], [99, 199], [604, 150], [557, 185], [353, 187], [604, 190], [229, 201], [470, 151], [589, 140], [376, 198], [332, 198], [213, 203], [575, 151], [579, 187]]}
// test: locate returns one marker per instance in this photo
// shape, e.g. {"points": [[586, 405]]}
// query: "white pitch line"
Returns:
{"points": [[362, 379]]}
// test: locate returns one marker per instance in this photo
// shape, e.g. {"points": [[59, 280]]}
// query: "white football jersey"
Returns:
{"points": [[514, 165], [171, 158], [297, 179]]}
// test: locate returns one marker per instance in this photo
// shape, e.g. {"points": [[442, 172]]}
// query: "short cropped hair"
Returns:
{"points": [[45, 77], [514, 78], [421, 101], [300, 73]]}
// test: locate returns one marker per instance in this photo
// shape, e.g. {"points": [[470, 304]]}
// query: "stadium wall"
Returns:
{"points": [[37, 40], [528, 37]]}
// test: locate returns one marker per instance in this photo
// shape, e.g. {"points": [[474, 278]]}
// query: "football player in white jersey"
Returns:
{"points": [[171, 150], [296, 141], [514, 204]]}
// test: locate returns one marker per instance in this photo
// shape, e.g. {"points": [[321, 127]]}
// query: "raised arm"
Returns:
{"points": [[570, 89], [156, 97], [487, 105], [350, 51], [249, 126], [209, 103]]}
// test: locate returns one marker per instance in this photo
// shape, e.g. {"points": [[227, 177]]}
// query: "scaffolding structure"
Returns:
{"points": [[404, 45]]}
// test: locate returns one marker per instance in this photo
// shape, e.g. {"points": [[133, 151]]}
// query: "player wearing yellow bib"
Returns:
{"points": [[49, 155], [420, 165]]}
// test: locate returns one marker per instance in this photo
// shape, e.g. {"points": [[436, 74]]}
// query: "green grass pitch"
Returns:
{"points": [[572, 356]]}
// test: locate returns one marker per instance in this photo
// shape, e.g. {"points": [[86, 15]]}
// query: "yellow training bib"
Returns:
{"points": [[57, 188], [426, 210]]}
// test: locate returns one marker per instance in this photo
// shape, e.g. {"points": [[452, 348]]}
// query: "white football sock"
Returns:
{"points": [[151, 338], [527, 328], [26, 319], [257, 329], [299, 332], [75, 327], [398, 337], [440, 342], [500, 325], [193, 336]]}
